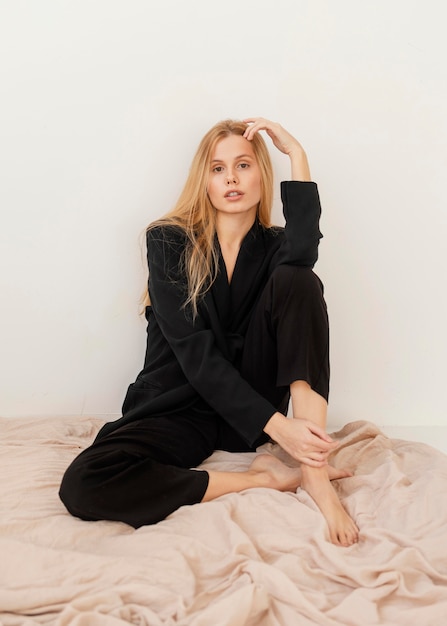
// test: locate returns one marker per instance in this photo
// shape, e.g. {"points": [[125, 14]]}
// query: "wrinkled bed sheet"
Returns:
{"points": [[258, 558]]}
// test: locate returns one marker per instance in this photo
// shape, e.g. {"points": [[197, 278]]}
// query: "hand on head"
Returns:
{"points": [[284, 141], [281, 138]]}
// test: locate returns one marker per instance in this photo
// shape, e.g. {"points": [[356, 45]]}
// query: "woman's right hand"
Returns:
{"points": [[305, 441]]}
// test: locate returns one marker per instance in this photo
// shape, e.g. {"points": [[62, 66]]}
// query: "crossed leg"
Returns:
{"points": [[265, 471]]}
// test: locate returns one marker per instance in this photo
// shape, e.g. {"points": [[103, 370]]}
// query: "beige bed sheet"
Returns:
{"points": [[259, 558]]}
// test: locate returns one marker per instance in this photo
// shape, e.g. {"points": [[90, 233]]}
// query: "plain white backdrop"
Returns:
{"points": [[102, 105]]}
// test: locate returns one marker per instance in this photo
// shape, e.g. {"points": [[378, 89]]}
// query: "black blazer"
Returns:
{"points": [[188, 360]]}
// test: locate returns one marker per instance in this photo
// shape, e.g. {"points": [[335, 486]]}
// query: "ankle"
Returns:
{"points": [[260, 478], [315, 475]]}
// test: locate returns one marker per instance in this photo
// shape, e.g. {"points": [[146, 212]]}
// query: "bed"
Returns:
{"points": [[258, 558]]}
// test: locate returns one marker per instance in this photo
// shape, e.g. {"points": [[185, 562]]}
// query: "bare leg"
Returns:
{"points": [[265, 471], [316, 481]]}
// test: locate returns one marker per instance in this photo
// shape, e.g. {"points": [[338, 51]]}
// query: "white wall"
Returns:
{"points": [[102, 105]]}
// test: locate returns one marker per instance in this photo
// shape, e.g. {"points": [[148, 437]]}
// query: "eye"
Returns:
{"points": [[244, 166], [217, 169]]}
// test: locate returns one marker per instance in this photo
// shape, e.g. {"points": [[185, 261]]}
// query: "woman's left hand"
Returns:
{"points": [[284, 141]]}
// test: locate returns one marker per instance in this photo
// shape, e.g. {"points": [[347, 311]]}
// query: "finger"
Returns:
{"points": [[250, 120], [312, 462], [251, 131], [317, 455], [323, 446], [255, 125], [254, 120], [321, 433]]}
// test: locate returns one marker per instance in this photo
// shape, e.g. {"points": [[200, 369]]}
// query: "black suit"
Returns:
{"points": [[215, 381]]}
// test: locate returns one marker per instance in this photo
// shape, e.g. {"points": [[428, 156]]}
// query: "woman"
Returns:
{"points": [[237, 325]]}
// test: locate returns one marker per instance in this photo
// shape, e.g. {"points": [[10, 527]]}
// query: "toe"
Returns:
{"points": [[344, 539], [353, 535], [334, 537]]}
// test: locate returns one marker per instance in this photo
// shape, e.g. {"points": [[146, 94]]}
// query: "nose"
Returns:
{"points": [[231, 179]]}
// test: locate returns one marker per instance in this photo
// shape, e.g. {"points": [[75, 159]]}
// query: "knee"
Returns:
{"points": [[104, 484], [75, 492], [291, 281], [85, 488]]}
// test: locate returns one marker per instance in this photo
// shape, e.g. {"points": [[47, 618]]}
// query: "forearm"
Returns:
{"points": [[299, 165], [308, 404], [273, 426]]}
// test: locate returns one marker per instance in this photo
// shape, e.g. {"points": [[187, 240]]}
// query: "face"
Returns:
{"points": [[234, 184]]}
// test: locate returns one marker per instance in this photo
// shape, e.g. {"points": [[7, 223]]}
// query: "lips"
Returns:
{"points": [[233, 194]]}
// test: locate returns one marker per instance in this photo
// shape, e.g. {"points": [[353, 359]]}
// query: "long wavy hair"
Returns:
{"points": [[196, 216]]}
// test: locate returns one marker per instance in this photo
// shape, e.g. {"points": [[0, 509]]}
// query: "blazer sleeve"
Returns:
{"points": [[214, 378], [302, 211]]}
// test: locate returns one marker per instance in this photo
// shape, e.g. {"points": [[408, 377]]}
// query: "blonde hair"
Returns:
{"points": [[195, 214]]}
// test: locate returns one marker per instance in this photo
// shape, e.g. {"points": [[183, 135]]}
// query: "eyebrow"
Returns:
{"points": [[241, 156]]}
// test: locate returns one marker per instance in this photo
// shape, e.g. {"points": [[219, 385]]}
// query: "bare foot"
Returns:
{"points": [[275, 474], [334, 473], [279, 476], [342, 529]]}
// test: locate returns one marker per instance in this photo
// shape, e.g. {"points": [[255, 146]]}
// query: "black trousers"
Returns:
{"points": [[140, 473]]}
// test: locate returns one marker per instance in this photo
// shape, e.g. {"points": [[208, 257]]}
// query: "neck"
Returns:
{"points": [[231, 229]]}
